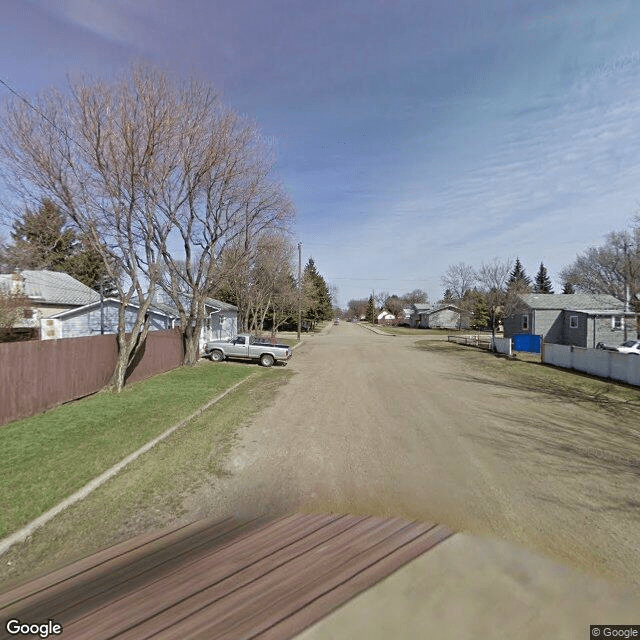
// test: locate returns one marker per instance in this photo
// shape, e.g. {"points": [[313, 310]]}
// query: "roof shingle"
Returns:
{"points": [[53, 287]]}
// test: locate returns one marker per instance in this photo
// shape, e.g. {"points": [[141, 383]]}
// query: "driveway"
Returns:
{"points": [[370, 424]]}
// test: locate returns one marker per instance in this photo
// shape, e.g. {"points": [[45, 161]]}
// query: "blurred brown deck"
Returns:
{"points": [[223, 579]]}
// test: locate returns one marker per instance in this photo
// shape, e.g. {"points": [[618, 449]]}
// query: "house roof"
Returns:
{"points": [[223, 306], [421, 306], [433, 310], [164, 304], [53, 287], [586, 302], [154, 308]]}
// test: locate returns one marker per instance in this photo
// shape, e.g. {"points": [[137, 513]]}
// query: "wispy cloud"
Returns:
{"points": [[411, 134]]}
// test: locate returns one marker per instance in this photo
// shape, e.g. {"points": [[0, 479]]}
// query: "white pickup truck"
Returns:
{"points": [[248, 347]]}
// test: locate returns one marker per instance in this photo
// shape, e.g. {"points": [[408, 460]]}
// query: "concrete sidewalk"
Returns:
{"points": [[470, 587]]}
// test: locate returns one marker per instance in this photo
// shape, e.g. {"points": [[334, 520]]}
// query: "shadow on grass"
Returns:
{"points": [[560, 391], [601, 465], [557, 384]]}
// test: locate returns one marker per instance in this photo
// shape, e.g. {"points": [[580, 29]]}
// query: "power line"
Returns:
{"points": [[42, 115]]}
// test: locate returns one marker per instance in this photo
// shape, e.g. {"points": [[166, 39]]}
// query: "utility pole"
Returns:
{"points": [[299, 288], [101, 309]]}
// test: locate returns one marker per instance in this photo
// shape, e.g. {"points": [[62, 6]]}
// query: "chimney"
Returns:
{"points": [[17, 284]]}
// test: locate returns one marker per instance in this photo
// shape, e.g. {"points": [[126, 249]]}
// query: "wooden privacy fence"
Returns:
{"points": [[41, 374]]}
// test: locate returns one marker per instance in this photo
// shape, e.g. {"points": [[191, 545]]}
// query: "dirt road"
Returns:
{"points": [[372, 424]]}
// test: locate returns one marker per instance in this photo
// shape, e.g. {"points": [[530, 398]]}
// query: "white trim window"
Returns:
{"points": [[617, 323], [573, 322], [525, 322]]}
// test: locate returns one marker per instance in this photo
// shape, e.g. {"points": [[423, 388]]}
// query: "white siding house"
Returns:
{"points": [[221, 318]]}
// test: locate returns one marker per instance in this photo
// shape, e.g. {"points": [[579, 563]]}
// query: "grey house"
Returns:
{"points": [[48, 293], [579, 319], [416, 310], [99, 318], [446, 316]]}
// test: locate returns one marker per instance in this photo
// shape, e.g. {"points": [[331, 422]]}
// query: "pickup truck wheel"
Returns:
{"points": [[267, 360], [217, 355]]}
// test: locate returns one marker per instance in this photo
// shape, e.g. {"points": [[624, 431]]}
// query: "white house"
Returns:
{"points": [[385, 317], [221, 318]]}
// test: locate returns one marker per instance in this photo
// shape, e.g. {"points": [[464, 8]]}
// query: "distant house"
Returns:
{"points": [[48, 293], [405, 315], [417, 309], [385, 317], [579, 319], [446, 316]]}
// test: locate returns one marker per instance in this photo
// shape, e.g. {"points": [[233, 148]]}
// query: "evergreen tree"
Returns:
{"points": [[318, 305], [448, 297], [568, 288], [480, 313], [42, 239], [519, 281], [371, 310], [543, 282]]}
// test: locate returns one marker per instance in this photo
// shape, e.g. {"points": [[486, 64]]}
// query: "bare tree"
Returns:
{"points": [[227, 200], [271, 281], [459, 278], [13, 306], [357, 308], [394, 305], [417, 296], [154, 174], [493, 277], [609, 268], [99, 153]]}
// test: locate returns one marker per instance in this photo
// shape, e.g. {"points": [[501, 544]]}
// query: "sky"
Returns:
{"points": [[410, 134]]}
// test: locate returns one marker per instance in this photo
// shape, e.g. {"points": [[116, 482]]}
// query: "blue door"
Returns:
{"points": [[527, 342]]}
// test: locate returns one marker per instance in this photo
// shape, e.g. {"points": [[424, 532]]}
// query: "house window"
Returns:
{"points": [[573, 322], [525, 322], [617, 323]]}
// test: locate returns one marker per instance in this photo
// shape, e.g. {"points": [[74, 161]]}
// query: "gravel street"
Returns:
{"points": [[372, 424]]}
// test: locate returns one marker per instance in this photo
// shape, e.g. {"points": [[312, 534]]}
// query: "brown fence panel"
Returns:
{"points": [[163, 351], [40, 374]]}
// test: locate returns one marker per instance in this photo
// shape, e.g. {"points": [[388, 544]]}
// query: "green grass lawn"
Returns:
{"points": [[44, 459]]}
